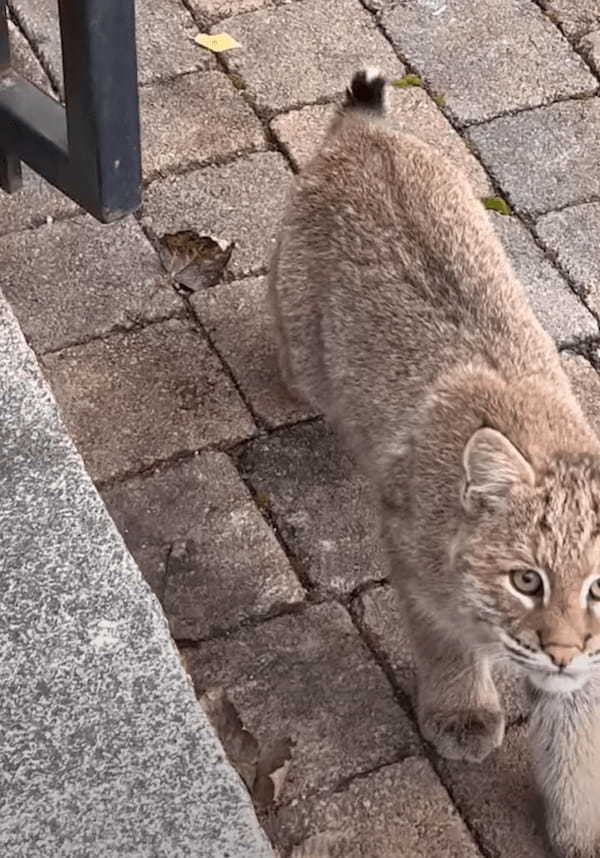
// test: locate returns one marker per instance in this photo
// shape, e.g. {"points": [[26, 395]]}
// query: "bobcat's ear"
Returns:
{"points": [[492, 466]]}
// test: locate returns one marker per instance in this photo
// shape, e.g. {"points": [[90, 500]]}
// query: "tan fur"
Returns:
{"points": [[399, 317]]}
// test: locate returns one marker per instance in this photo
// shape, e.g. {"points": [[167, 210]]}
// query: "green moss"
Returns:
{"points": [[408, 80], [496, 204], [439, 100]]}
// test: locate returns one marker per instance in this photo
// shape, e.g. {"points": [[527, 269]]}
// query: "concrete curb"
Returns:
{"points": [[103, 748]]}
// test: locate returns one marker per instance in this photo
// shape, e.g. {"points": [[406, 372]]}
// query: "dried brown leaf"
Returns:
{"points": [[238, 743]]}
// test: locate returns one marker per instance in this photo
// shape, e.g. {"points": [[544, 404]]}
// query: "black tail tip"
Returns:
{"points": [[367, 91]]}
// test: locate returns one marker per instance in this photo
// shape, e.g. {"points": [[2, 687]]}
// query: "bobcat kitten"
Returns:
{"points": [[400, 319]]}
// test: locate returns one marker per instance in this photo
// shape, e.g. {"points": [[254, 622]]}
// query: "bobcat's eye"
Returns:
{"points": [[595, 590], [529, 582]]}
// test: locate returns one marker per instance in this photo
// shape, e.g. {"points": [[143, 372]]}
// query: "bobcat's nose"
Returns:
{"points": [[561, 655]]}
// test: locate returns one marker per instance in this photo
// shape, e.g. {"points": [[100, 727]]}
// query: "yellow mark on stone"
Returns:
{"points": [[217, 43]]}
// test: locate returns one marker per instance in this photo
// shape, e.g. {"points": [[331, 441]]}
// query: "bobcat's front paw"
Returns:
{"points": [[467, 735]]}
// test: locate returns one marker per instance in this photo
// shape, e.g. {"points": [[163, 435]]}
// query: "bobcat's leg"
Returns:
{"points": [[458, 706]]}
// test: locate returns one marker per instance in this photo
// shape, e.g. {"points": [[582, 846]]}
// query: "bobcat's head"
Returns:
{"points": [[528, 550]]}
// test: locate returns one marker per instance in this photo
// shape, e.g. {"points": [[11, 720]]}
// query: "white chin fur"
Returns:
{"points": [[558, 683]]}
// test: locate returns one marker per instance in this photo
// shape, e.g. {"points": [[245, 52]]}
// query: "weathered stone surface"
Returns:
{"points": [[544, 158], [236, 318], [104, 750], [164, 34], [78, 279], [336, 36], [497, 799], [516, 57], [576, 17], [24, 61], [590, 47], [214, 10], [585, 382], [39, 19], [203, 546], [35, 204], [400, 810], [137, 398], [572, 234], [240, 202], [559, 310], [322, 507], [195, 118], [307, 677], [411, 111], [380, 613]]}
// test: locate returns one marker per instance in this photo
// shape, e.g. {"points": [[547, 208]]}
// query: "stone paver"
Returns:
{"points": [[337, 37], [214, 10], [78, 279], [36, 203], [585, 382], [308, 677], [544, 158], [24, 61], [557, 307], [134, 399], [322, 507], [400, 811], [240, 202], [236, 319], [411, 111], [164, 34], [590, 47], [576, 17], [203, 546], [380, 613], [498, 799], [487, 57], [195, 118], [572, 234]]}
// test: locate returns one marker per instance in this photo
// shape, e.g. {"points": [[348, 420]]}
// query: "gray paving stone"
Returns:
{"points": [[195, 118], [544, 158], [34, 204], [380, 612], [203, 546], [39, 20], [576, 17], [572, 234], [322, 507], [104, 750], [164, 30], [240, 202], [559, 310], [24, 61], [214, 10], [590, 47], [486, 57], [307, 677], [136, 398], [497, 799], [400, 810], [337, 37], [585, 382], [411, 111], [236, 318], [78, 279]]}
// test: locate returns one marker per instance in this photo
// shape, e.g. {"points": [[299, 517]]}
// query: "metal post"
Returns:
{"points": [[10, 166], [90, 150]]}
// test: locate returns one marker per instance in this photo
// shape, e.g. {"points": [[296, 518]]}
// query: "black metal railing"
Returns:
{"points": [[90, 148]]}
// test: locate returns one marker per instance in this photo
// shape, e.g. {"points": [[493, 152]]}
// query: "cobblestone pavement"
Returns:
{"points": [[245, 518]]}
